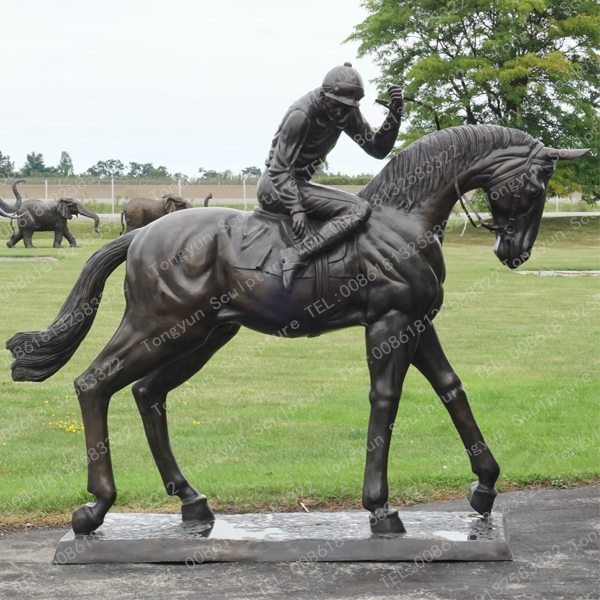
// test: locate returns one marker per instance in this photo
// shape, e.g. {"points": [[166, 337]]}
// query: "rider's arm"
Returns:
{"points": [[380, 143], [292, 134]]}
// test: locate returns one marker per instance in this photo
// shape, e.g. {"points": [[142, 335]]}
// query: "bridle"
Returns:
{"points": [[510, 229]]}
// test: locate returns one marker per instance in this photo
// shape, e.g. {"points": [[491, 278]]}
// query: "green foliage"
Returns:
{"points": [[262, 390], [252, 171], [36, 167], [330, 179], [147, 170], [180, 177], [7, 167], [323, 176], [532, 64], [65, 166], [107, 168], [226, 175]]}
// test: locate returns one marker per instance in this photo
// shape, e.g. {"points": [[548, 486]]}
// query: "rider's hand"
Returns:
{"points": [[396, 99], [299, 222]]}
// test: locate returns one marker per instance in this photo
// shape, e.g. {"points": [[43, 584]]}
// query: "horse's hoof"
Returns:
{"points": [[386, 520], [482, 498], [84, 521], [197, 509]]}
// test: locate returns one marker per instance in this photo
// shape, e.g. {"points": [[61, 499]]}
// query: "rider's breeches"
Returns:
{"points": [[344, 213]]}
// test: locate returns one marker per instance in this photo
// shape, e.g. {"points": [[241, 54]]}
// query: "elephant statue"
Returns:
{"points": [[7, 210], [38, 215], [138, 212]]}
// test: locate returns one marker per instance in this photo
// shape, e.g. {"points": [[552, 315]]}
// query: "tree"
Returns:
{"points": [[528, 64], [252, 171], [210, 174], [160, 172], [65, 166], [180, 177], [107, 168], [7, 167], [147, 170], [34, 165], [135, 170]]}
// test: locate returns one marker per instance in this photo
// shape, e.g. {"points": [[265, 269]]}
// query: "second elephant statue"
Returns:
{"points": [[139, 212]]}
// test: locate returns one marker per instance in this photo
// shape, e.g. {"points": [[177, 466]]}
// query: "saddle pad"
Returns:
{"points": [[265, 235]]}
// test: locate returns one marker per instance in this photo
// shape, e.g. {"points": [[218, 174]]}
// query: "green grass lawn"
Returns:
{"points": [[255, 429]]}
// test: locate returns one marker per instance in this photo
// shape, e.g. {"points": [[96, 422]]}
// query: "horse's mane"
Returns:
{"points": [[402, 185]]}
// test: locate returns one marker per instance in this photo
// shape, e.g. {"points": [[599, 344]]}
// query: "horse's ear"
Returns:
{"points": [[567, 154]]}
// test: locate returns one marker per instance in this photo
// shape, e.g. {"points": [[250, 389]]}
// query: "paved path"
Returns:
{"points": [[554, 539]]}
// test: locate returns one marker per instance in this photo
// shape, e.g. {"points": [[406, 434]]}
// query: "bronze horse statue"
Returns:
{"points": [[397, 293]]}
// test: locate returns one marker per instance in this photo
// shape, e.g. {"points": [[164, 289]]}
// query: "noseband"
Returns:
{"points": [[510, 229]]}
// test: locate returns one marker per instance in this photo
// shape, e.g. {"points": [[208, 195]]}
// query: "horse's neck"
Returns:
{"points": [[477, 175]]}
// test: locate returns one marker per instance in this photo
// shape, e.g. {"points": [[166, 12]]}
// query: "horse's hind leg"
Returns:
{"points": [[430, 359], [125, 359], [150, 393]]}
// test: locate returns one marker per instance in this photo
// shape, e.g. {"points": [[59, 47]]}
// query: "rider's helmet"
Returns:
{"points": [[344, 84]]}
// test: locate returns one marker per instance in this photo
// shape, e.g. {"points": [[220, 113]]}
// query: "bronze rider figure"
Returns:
{"points": [[309, 131]]}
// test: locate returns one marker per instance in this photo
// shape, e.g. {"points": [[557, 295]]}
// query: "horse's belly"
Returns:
{"points": [[257, 300]]}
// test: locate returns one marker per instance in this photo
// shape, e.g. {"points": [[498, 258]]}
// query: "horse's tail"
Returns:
{"points": [[40, 354]]}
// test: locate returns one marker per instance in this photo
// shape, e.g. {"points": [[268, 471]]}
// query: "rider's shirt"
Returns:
{"points": [[305, 137]]}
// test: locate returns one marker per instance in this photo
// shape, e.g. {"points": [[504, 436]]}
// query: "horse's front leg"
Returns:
{"points": [[430, 359], [387, 376]]}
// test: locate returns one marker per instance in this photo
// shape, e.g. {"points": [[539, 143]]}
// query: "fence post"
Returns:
{"points": [[112, 192], [46, 181], [244, 182], [179, 184]]}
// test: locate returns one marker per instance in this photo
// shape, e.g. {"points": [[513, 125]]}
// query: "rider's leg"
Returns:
{"points": [[344, 213], [268, 198]]}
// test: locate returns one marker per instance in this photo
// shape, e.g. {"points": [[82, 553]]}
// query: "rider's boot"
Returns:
{"points": [[295, 258]]}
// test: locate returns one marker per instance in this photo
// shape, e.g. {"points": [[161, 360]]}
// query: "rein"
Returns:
{"points": [[510, 228], [430, 108]]}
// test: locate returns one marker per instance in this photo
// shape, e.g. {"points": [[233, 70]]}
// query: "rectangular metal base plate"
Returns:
{"points": [[273, 537]]}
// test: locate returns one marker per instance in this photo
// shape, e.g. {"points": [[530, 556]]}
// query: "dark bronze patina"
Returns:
{"points": [[139, 212], [181, 309], [38, 215], [309, 130]]}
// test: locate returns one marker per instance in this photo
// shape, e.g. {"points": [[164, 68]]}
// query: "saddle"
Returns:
{"points": [[265, 235]]}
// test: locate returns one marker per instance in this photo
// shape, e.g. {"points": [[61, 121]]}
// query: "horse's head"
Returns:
{"points": [[517, 194]]}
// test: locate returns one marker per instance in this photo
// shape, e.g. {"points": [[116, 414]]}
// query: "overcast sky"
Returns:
{"points": [[184, 84]]}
